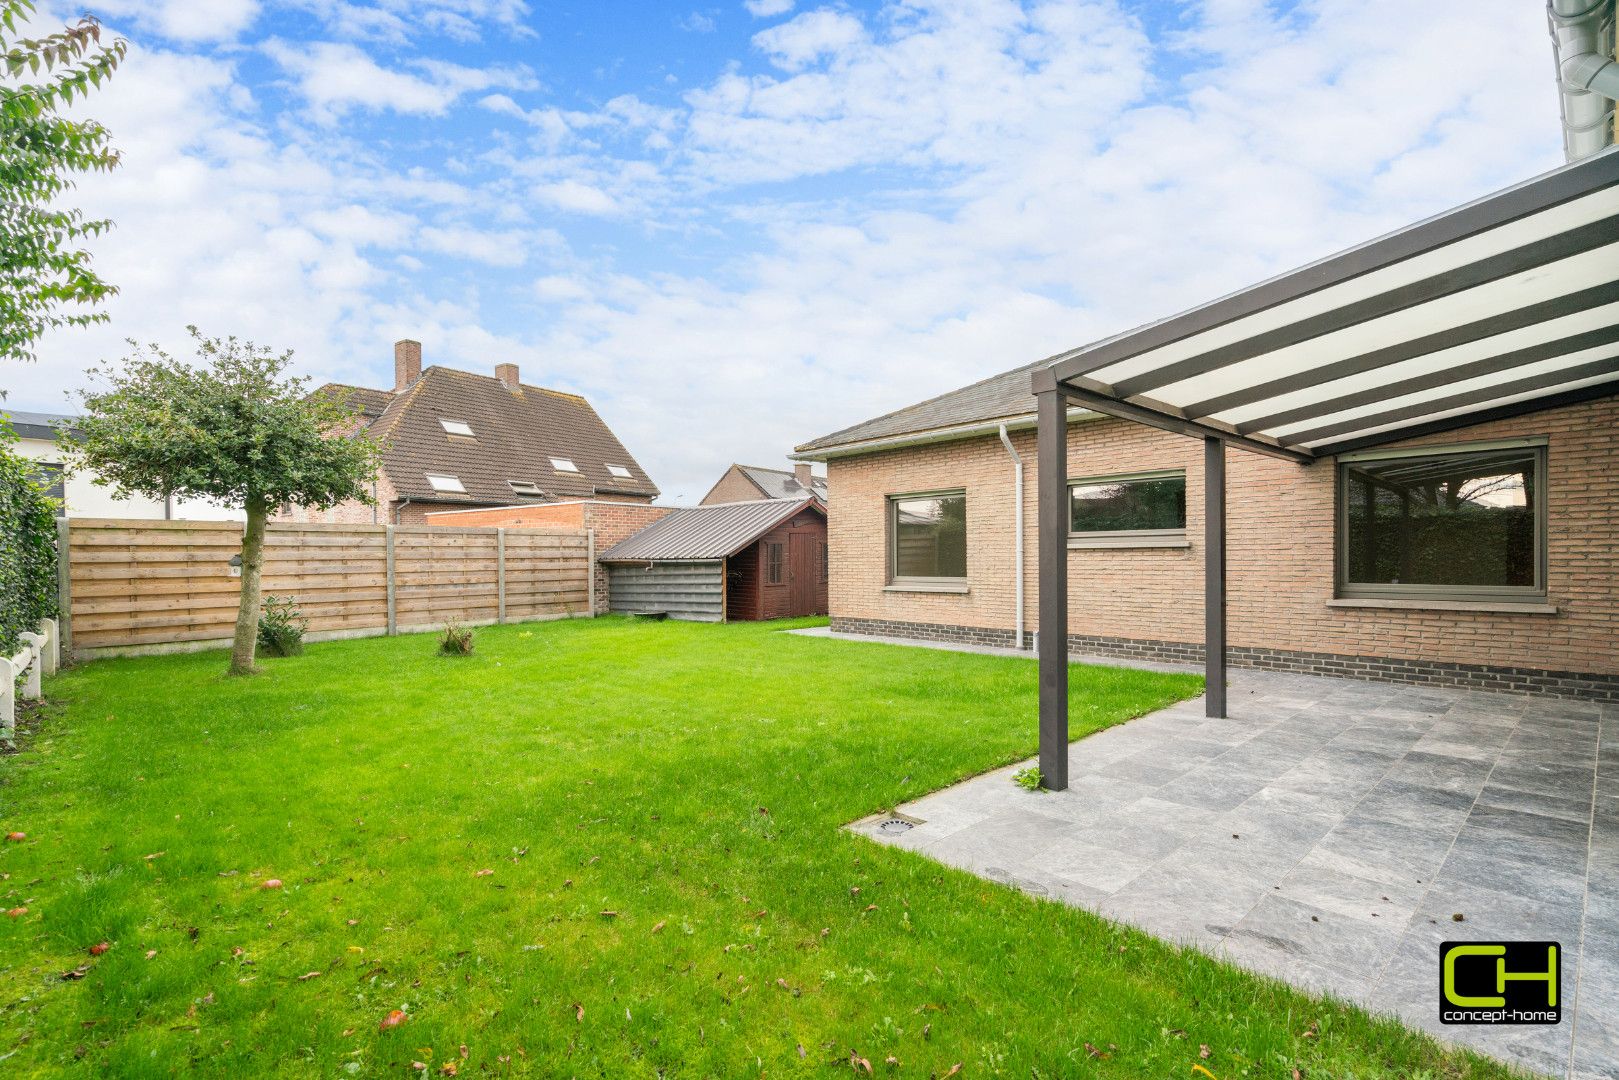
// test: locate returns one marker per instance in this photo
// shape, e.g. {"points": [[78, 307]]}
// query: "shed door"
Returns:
{"points": [[801, 573]]}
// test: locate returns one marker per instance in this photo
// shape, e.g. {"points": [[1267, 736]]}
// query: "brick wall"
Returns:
{"points": [[1280, 559], [734, 486], [611, 519]]}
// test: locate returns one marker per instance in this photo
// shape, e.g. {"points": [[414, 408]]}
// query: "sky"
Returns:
{"points": [[736, 226]]}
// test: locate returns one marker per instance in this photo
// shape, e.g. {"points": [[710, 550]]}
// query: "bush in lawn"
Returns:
{"points": [[27, 546], [281, 627], [456, 640]]}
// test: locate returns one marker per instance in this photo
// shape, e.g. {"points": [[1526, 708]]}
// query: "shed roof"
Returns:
{"points": [[707, 532]]}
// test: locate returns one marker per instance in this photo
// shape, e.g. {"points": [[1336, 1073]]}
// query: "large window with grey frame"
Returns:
{"points": [[1128, 510], [1465, 523], [927, 537]]}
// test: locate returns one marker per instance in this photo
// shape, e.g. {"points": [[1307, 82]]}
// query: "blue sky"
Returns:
{"points": [[739, 225]]}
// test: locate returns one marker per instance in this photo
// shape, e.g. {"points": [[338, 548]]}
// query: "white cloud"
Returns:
{"points": [[335, 77], [765, 9], [577, 197], [185, 20]]}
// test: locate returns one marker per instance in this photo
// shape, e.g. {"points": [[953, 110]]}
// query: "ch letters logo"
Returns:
{"points": [[1509, 982]]}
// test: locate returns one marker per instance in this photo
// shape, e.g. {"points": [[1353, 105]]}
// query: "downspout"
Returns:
{"points": [[399, 508], [1587, 76], [1017, 531]]}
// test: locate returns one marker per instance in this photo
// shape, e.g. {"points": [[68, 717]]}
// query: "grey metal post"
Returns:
{"points": [[1052, 445], [393, 620], [64, 588], [1214, 668], [500, 574]]}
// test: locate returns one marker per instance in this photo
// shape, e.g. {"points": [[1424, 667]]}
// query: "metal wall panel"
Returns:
{"points": [[694, 591]]}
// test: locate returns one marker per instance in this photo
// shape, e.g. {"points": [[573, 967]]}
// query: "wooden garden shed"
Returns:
{"points": [[726, 562]]}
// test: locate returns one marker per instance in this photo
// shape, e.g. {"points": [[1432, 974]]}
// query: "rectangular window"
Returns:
{"points": [[1132, 510], [456, 427], [826, 566], [524, 487], [774, 569], [51, 477], [927, 537], [1466, 524], [441, 482], [562, 464], [619, 471]]}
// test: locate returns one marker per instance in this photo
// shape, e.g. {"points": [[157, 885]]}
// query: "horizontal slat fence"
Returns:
{"points": [[158, 586]]}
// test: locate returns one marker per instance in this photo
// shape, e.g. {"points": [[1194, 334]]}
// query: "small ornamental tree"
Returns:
{"points": [[40, 151], [234, 428]]}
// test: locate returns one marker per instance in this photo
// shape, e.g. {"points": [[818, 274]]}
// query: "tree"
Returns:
{"points": [[233, 428], [42, 270]]}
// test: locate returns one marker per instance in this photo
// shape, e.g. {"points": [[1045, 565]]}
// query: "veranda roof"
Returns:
{"points": [[1506, 305]]}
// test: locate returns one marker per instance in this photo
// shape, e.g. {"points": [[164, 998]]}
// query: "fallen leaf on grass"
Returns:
{"points": [[100, 947], [150, 953], [76, 974], [16, 837], [156, 855], [858, 1062], [392, 1020], [1094, 1052], [309, 975], [891, 1060], [273, 883], [954, 1069], [447, 1069], [483, 873], [658, 926], [609, 914], [578, 1012], [1203, 1051], [17, 912]]}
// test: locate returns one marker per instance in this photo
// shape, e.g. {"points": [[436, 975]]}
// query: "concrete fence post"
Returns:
{"points": [[53, 648], [8, 702], [590, 571], [64, 588], [393, 618], [500, 575], [31, 690]]}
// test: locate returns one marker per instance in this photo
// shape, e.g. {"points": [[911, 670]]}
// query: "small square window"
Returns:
{"points": [[620, 471], [456, 427], [562, 464], [441, 482], [525, 487]]}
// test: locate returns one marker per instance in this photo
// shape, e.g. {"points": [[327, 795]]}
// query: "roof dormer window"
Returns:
{"points": [[456, 427], [620, 471], [525, 487], [562, 464], [446, 483]]}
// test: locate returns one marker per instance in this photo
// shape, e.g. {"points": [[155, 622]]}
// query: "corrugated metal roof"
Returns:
{"points": [[705, 532]]}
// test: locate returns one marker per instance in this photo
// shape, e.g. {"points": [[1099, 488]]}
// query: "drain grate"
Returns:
{"points": [[895, 826]]}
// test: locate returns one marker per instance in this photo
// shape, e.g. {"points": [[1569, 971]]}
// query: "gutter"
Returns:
{"points": [[928, 438], [1017, 534], [1582, 34]]}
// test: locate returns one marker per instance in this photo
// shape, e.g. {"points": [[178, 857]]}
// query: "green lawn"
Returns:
{"points": [[672, 895]]}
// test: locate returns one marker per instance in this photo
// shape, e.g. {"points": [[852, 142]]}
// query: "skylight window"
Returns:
{"points": [[441, 482], [525, 487], [619, 471], [562, 464], [456, 427]]}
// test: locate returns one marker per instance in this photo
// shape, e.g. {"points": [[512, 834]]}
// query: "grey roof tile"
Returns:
{"points": [[706, 532], [999, 397]]}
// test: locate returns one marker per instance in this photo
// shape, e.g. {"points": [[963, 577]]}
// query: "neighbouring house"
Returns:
{"points": [[41, 437], [1429, 488], [745, 483], [606, 521], [456, 440], [724, 562]]}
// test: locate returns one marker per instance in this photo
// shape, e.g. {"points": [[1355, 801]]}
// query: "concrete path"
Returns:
{"points": [[1327, 834]]}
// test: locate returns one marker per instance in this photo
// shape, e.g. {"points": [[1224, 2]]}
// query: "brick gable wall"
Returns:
{"points": [[734, 486]]}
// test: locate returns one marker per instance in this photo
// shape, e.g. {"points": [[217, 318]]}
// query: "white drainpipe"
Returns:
{"points": [[1017, 530], [1587, 76]]}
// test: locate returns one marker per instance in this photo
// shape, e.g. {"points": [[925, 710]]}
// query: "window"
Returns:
{"points": [[774, 570], [456, 427], [562, 464], [619, 471], [1133, 510], [826, 568], [927, 537], [50, 476], [525, 487], [1464, 524], [440, 482]]}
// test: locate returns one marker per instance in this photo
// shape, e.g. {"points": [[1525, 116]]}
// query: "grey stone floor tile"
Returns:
{"points": [[1571, 806], [1356, 897], [1541, 776], [1464, 775], [1286, 927]]}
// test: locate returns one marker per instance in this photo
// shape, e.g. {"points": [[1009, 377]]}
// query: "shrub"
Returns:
{"points": [[281, 627], [27, 546], [1028, 779], [456, 640]]}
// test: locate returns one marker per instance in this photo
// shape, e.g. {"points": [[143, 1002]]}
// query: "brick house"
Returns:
{"points": [[457, 440], [1452, 520], [743, 483]]}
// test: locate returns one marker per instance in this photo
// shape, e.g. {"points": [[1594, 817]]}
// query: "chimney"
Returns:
{"points": [[407, 363], [801, 473], [507, 374]]}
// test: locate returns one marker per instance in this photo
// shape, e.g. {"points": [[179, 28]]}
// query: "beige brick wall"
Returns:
{"points": [[734, 486], [1280, 559]]}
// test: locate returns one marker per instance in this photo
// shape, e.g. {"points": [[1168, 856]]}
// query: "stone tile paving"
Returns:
{"points": [[1326, 834]]}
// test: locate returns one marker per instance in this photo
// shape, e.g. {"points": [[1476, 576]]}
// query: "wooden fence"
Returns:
{"points": [[160, 586]]}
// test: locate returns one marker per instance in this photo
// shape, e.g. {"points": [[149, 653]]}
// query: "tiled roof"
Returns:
{"points": [[369, 402], [780, 484], [515, 434], [999, 397], [706, 532]]}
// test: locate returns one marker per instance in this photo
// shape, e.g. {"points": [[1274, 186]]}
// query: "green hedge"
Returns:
{"points": [[27, 546]]}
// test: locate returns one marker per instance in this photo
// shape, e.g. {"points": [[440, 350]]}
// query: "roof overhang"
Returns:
{"points": [[1504, 306], [978, 429]]}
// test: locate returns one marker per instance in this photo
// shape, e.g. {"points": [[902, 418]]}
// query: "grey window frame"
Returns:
{"points": [[891, 530], [775, 563], [1344, 589], [1125, 538]]}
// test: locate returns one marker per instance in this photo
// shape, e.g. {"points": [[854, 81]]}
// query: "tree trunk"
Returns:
{"points": [[247, 613]]}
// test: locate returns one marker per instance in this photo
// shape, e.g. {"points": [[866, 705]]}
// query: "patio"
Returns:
{"points": [[1329, 833]]}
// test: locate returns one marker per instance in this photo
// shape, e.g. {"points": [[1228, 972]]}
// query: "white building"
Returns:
{"points": [[39, 436]]}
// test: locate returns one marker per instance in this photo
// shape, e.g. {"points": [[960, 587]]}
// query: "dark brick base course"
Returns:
{"points": [[1379, 669]]}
